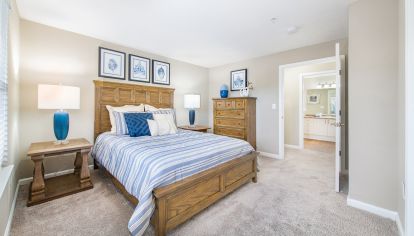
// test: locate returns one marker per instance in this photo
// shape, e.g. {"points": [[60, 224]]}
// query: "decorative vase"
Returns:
{"points": [[224, 91], [61, 125]]}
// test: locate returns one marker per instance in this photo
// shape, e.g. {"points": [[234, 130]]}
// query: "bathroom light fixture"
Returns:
{"points": [[322, 85]]}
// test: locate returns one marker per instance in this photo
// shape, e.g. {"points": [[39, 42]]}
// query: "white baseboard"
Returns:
{"points": [[27, 181], [13, 206], [271, 155], [399, 225], [392, 215], [50, 175], [319, 137], [293, 146]]}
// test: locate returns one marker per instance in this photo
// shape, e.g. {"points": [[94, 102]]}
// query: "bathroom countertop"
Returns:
{"points": [[320, 117]]}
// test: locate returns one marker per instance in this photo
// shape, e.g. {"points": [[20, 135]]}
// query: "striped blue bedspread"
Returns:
{"points": [[142, 164]]}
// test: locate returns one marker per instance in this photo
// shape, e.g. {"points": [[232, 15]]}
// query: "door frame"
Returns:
{"points": [[281, 120], [409, 117], [302, 77]]}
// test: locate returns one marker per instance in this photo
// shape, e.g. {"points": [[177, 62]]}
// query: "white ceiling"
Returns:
{"points": [[202, 32]]}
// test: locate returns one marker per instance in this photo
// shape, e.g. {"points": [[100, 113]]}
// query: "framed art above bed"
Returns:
{"points": [[160, 72], [139, 69], [111, 64]]}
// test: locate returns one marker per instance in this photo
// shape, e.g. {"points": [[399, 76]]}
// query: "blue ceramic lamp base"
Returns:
{"points": [[191, 117], [61, 126]]}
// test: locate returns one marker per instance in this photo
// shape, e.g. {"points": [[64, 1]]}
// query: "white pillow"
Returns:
{"points": [[169, 118], [153, 127], [126, 108], [166, 111], [162, 125], [150, 108]]}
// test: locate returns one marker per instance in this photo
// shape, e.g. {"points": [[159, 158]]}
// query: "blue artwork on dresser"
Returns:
{"points": [[139, 68], [160, 72], [111, 64], [238, 79]]}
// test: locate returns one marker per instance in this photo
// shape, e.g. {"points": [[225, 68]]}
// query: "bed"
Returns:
{"points": [[169, 178]]}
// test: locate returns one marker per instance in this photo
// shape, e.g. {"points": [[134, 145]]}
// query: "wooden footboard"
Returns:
{"points": [[178, 202]]}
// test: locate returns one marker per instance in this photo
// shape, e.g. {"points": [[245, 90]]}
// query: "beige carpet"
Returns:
{"points": [[292, 197]]}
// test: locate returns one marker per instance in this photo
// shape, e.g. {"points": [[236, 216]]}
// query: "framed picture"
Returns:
{"points": [[238, 79], [139, 68], [111, 63], [160, 72], [313, 99]]}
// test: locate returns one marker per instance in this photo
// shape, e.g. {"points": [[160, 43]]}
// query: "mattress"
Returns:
{"points": [[145, 163]]}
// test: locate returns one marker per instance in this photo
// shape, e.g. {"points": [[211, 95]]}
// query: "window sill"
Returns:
{"points": [[5, 173]]}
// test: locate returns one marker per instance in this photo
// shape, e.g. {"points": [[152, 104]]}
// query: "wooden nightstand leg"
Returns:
{"points": [[255, 169], [85, 177], [43, 170], [78, 163], [38, 184]]}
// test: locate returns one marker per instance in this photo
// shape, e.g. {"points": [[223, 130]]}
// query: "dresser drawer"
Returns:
{"points": [[235, 123], [239, 104], [237, 114], [235, 133], [225, 104], [220, 104]]}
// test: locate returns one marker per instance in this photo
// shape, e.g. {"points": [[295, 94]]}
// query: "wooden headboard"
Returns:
{"points": [[119, 94]]}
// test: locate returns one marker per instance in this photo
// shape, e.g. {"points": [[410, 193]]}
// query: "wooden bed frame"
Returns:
{"points": [[177, 202]]}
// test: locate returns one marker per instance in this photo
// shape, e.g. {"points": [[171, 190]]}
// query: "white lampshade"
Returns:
{"points": [[58, 97], [191, 101]]}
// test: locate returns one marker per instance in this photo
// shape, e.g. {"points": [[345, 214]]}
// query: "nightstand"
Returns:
{"points": [[43, 190], [199, 128]]}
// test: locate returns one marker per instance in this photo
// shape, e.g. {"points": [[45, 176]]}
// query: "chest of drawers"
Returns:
{"points": [[236, 117]]}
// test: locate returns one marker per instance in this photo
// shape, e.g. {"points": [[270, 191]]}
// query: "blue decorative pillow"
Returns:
{"points": [[120, 125], [137, 124]]}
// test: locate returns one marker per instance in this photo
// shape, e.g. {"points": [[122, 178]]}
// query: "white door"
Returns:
{"points": [[338, 123]]}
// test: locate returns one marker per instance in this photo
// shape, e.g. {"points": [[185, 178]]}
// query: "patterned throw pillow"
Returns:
{"points": [[137, 124], [126, 108], [166, 111]]}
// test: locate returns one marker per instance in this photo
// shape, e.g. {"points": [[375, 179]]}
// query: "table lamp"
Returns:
{"points": [[59, 97], [191, 102]]}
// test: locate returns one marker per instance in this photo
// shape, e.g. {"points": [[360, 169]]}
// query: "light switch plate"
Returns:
{"points": [[273, 106]]}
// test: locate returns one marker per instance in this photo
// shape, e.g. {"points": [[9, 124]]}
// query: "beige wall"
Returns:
{"points": [[264, 73], [50, 55], [373, 76], [292, 98], [6, 198]]}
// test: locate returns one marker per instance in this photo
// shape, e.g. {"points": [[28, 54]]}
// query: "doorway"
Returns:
{"points": [[317, 106], [330, 120]]}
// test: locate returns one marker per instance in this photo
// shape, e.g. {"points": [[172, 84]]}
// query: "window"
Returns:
{"points": [[4, 21]]}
